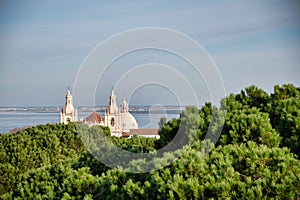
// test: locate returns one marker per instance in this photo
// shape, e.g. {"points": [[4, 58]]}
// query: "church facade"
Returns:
{"points": [[118, 119]]}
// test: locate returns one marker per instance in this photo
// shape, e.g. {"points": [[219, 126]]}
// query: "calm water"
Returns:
{"points": [[10, 119]]}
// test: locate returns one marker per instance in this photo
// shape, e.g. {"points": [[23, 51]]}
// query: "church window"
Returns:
{"points": [[112, 122]]}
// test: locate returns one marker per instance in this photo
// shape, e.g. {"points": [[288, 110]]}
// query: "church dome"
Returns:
{"points": [[128, 121]]}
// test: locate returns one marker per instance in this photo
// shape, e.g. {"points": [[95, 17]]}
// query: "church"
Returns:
{"points": [[118, 119], [68, 113]]}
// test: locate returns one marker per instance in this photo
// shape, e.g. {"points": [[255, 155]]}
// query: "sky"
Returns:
{"points": [[44, 44]]}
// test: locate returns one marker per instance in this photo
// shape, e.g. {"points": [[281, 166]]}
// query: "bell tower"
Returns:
{"points": [[124, 106], [68, 113], [113, 108], [111, 115]]}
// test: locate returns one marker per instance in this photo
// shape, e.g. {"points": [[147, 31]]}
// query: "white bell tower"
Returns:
{"points": [[68, 113], [111, 115]]}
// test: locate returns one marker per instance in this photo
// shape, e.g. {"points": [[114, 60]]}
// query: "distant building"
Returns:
{"points": [[68, 113], [144, 132], [120, 121], [117, 120]]}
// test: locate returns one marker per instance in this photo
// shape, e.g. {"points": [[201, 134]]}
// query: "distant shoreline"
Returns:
{"points": [[56, 109]]}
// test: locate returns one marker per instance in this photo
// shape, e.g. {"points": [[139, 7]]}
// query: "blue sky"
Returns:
{"points": [[43, 43]]}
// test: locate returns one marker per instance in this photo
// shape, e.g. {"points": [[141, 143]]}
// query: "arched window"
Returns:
{"points": [[112, 122], [68, 120]]}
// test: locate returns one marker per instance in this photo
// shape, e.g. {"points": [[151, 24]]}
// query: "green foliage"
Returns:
{"points": [[57, 181], [253, 97], [255, 157], [135, 144], [162, 122], [249, 124], [167, 132], [284, 110], [287, 116], [205, 119], [285, 92], [193, 124], [282, 107], [253, 171], [233, 171], [33, 148]]}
